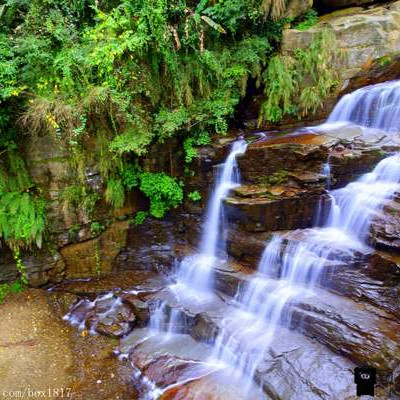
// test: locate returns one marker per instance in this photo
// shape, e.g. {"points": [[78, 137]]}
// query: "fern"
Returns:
{"points": [[115, 194], [286, 75]]}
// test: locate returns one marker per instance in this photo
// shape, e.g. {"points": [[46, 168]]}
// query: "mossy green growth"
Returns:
{"points": [[140, 217], [385, 61], [307, 20], [276, 178], [8, 288]]}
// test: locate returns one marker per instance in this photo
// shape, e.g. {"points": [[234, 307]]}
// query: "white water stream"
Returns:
{"points": [[194, 280], [265, 302]]}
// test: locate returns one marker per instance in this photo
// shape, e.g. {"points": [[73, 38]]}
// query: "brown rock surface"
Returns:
{"points": [[96, 256]]}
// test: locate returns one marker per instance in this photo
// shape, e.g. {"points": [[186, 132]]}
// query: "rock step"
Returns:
{"points": [[368, 276], [288, 209]]}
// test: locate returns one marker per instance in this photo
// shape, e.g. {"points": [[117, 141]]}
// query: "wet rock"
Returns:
{"points": [[385, 228], [364, 334], [140, 308], [245, 248], [149, 247], [141, 282], [290, 153], [274, 213], [42, 268], [297, 368], [348, 165], [106, 315], [96, 256]]}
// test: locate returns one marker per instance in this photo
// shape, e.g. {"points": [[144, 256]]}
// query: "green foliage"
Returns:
{"points": [[277, 178], [308, 20], [79, 196], [144, 71], [109, 79], [163, 191], [140, 217], [8, 288], [22, 212], [21, 268], [194, 196], [130, 176], [189, 144], [22, 219], [115, 194], [96, 228], [308, 71]]}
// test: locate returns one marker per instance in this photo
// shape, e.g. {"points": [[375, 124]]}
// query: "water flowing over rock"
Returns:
{"points": [[308, 288], [376, 107]]}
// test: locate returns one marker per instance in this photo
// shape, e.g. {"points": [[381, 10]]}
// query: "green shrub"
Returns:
{"points": [[309, 71], [140, 217], [163, 191], [308, 20], [96, 228]]}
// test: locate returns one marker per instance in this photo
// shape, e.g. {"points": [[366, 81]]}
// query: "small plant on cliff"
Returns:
{"points": [[163, 191], [194, 196], [96, 228], [140, 217], [201, 139], [22, 219], [23, 277], [97, 258], [308, 20]]}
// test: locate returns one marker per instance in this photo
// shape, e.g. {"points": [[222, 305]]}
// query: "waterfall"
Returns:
{"points": [[227, 179], [196, 271], [194, 275], [292, 264], [376, 106], [264, 303]]}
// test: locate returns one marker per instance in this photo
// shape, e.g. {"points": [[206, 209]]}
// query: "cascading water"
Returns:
{"points": [[376, 106], [194, 276], [290, 268], [264, 303], [196, 271]]}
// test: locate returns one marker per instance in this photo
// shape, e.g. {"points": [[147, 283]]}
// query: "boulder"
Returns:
{"points": [[385, 228], [296, 8]]}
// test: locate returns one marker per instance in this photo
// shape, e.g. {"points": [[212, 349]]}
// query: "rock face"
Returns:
{"points": [[370, 43], [365, 36], [295, 8], [284, 183]]}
